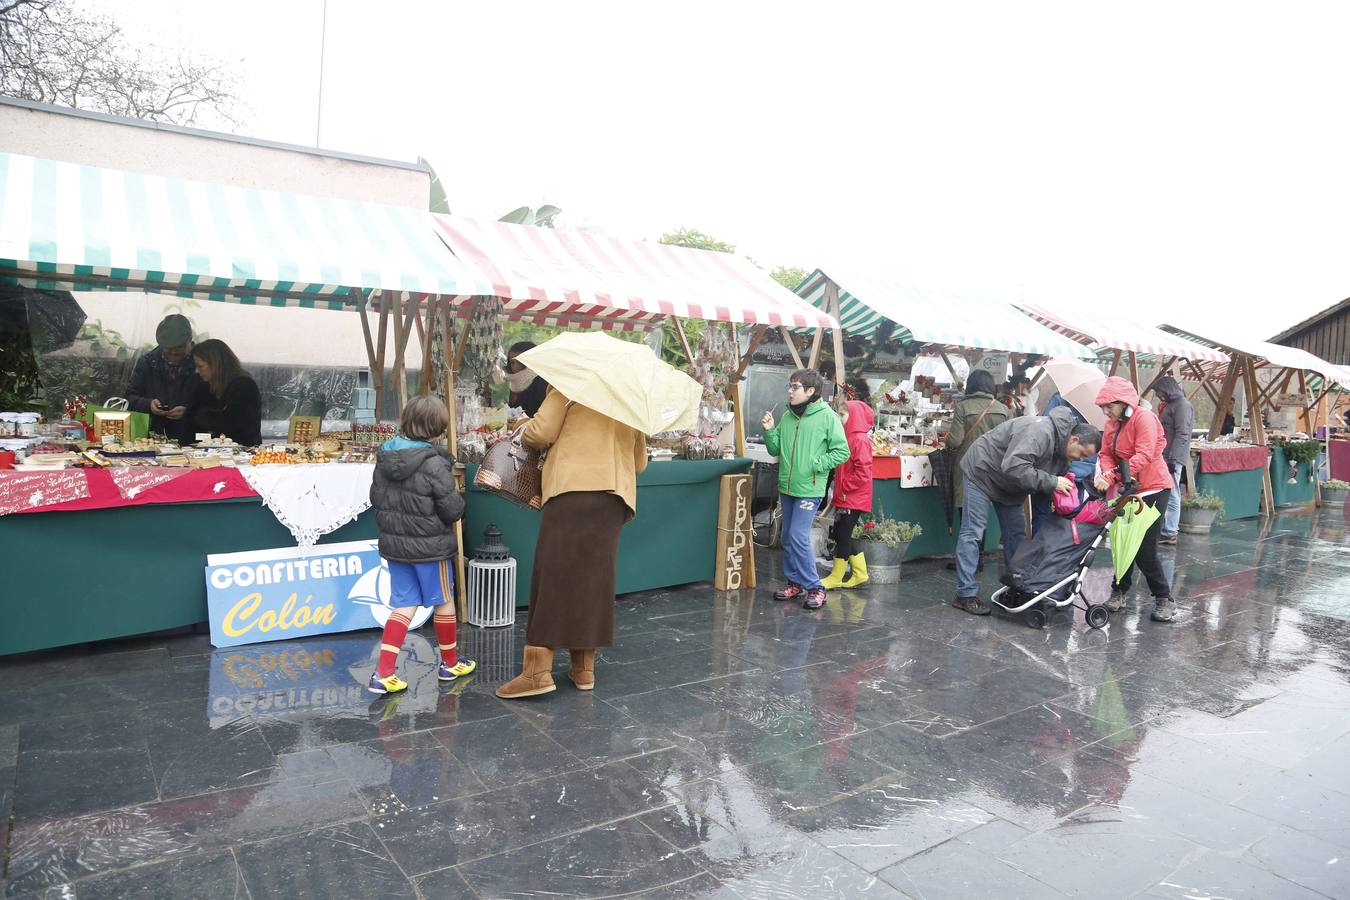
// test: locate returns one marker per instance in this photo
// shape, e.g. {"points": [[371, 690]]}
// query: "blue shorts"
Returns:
{"points": [[420, 584]]}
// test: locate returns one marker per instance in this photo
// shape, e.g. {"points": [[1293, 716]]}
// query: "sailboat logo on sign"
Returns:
{"points": [[372, 590]]}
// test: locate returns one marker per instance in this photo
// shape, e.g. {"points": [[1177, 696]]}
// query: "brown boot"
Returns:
{"points": [[536, 676], [582, 670]]}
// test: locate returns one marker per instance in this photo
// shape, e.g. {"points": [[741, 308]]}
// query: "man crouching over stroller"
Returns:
{"points": [[1001, 469]]}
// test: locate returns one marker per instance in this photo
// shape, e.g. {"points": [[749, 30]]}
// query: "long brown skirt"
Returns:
{"points": [[572, 589]]}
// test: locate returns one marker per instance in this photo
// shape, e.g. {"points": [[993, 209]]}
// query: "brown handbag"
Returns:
{"points": [[513, 471]]}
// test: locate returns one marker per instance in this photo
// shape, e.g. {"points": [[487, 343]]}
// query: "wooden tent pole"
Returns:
{"points": [[814, 359], [1115, 364], [791, 346], [452, 441], [377, 373], [361, 303], [424, 332], [947, 361], [1225, 394], [1160, 373], [464, 336], [756, 338], [1134, 372], [1204, 378], [400, 342], [832, 298], [684, 340]]}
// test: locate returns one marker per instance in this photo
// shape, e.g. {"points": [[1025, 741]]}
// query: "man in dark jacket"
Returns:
{"points": [[164, 383], [1178, 421], [1023, 456]]}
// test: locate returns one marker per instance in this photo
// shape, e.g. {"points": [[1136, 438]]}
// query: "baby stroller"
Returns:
{"points": [[1047, 572]]}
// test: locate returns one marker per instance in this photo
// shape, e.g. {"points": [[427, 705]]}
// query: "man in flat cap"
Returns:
{"points": [[164, 383]]}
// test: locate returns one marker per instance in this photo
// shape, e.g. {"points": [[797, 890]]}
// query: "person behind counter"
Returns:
{"points": [[236, 407], [163, 383], [528, 390]]}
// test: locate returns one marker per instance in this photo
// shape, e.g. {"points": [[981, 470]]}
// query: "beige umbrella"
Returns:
{"points": [[1078, 383], [623, 380]]}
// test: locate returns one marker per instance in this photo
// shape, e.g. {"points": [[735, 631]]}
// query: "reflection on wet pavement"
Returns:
{"points": [[884, 746]]}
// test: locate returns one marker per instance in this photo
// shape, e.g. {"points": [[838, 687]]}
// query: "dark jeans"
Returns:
{"points": [[1147, 560], [842, 532]]}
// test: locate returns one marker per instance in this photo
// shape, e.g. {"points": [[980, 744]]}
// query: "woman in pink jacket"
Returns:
{"points": [[852, 492], [1134, 436]]}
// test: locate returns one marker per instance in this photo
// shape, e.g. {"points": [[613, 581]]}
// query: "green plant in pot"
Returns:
{"points": [[1335, 492], [884, 541], [1199, 512], [1296, 453]]}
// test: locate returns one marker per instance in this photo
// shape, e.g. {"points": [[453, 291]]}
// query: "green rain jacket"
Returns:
{"points": [[807, 449]]}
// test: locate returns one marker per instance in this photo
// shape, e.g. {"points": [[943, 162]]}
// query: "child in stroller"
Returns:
{"points": [[1047, 572]]}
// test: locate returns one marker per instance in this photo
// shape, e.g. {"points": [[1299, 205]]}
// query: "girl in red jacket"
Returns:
{"points": [[852, 492], [1135, 436]]}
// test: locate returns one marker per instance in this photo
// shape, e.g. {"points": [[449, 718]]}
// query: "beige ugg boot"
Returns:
{"points": [[582, 670], [536, 676]]}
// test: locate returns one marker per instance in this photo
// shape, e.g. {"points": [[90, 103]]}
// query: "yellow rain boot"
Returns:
{"points": [[859, 574], [836, 577]]}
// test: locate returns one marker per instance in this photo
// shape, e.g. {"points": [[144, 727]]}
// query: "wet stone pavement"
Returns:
{"points": [[885, 746]]}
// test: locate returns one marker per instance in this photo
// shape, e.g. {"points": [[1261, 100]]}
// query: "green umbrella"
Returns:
{"points": [[1127, 533]]}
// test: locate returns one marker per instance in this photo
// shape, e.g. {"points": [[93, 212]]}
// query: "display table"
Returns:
{"points": [[672, 540], [923, 506], [1338, 452], [94, 574], [1283, 493], [1235, 475]]}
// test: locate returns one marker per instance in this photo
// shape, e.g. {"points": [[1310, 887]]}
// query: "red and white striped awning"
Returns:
{"points": [[1113, 333], [561, 277]]}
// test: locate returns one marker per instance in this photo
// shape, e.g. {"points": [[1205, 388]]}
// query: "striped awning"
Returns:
{"points": [[562, 277], [1268, 354], [73, 227], [937, 318], [1105, 333]]}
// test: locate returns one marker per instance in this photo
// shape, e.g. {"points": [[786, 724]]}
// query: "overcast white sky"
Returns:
{"points": [[1188, 160]]}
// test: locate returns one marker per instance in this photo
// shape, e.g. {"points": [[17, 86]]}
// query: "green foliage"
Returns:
{"points": [[1204, 500], [20, 385], [671, 351], [1299, 451], [878, 527], [543, 216], [437, 202], [789, 277], [697, 240]]}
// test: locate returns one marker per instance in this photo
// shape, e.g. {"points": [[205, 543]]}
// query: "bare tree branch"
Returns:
{"points": [[53, 53]]}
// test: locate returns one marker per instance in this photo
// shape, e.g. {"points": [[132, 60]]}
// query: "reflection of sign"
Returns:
{"points": [[996, 364], [735, 558], [281, 679], [273, 595]]}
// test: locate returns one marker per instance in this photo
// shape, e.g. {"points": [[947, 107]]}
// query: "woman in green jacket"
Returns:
{"points": [[809, 442]]}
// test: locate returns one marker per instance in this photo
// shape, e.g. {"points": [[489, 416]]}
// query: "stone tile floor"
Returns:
{"points": [[885, 746]]}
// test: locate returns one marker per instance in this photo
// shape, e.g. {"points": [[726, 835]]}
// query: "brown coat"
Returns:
{"points": [[587, 451]]}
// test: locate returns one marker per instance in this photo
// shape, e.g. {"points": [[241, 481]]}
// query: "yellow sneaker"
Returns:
{"points": [[458, 670], [390, 685]]}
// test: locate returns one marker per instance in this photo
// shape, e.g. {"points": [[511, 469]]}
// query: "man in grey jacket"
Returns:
{"points": [[1178, 421], [1001, 469]]}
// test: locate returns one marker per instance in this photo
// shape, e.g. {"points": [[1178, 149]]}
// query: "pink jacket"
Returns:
{"points": [[853, 477], [1139, 439]]}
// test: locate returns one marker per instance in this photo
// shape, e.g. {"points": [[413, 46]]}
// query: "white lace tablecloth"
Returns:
{"points": [[312, 500]]}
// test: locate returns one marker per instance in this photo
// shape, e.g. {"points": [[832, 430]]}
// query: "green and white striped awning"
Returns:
{"points": [[72, 227], [937, 318]]}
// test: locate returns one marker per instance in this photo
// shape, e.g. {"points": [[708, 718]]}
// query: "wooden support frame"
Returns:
{"points": [[377, 368], [947, 361], [1230, 380], [1258, 437], [738, 409], [832, 301], [447, 376], [1162, 372], [1115, 364], [791, 346], [1134, 372], [757, 337], [1205, 381], [684, 340]]}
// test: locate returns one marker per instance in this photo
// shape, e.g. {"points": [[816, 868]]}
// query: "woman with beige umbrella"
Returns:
{"points": [[605, 396]]}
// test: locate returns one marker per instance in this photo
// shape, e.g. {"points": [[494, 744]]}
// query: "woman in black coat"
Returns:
{"points": [[237, 410]]}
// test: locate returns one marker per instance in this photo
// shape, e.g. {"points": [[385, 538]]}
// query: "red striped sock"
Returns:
{"points": [[395, 630], [445, 637]]}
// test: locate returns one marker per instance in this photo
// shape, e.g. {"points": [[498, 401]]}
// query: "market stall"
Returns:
{"points": [[1285, 385], [572, 279], [123, 550], [914, 417]]}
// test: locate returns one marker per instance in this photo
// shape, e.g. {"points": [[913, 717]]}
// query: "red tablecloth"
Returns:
{"points": [[885, 467], [80, 489], [1215, 461]]}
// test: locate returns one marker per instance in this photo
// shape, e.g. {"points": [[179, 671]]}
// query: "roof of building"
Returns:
{"points": [[34, 105], [1311, 321]]}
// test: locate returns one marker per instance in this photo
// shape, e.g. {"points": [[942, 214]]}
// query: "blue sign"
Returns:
{"points": [[276, 595]]}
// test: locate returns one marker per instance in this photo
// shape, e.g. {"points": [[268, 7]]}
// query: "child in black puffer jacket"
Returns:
{"points": [[415, 504]]}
